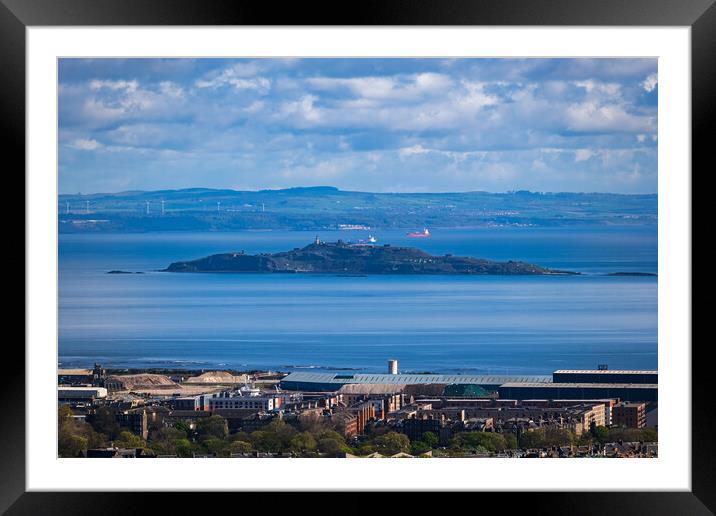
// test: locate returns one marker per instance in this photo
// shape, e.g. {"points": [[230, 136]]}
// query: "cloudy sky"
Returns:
{"points": [[410, 125]]}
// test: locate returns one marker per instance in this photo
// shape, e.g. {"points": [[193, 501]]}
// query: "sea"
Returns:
{"points": [[512, 325]]}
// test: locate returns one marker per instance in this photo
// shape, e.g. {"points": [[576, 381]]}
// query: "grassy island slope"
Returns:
{"points": [[342, 258]]}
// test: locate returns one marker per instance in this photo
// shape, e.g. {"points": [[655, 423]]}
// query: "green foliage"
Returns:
{"points": [[75, 437], [632, 434], [104, 421], [546, 437], [600, 433], [430, 439], [478, 441], [129, 440], [331, 446], [214, 445], [184, 448], [510, 441], [213, 426], [391, 443], [419, 447], [240, 447], [303, 443]]}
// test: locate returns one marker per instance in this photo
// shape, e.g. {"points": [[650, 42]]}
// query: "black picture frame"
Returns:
{"points": [[699, 15]]}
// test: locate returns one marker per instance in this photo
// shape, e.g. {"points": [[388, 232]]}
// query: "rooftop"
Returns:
{"points": [[408, 379], [73, 372], [605, 371], [584, 385]]}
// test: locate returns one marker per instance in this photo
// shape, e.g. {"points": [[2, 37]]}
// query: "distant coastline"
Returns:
{"points": [[328, 208]]}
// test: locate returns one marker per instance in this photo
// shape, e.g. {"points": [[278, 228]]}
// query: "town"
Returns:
{"points": [[147, 414]]}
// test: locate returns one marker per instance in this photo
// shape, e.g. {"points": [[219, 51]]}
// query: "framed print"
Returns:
{"points": [[460, 236]]}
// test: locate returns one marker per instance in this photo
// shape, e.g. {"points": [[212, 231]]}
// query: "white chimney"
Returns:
{"points": [[392, 366]]}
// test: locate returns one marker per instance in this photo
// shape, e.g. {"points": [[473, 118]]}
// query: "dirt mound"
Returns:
{"points": [[132, 382], [216, 377]]}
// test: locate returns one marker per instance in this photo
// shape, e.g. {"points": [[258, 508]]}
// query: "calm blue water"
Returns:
{"points": [[488, 324]]}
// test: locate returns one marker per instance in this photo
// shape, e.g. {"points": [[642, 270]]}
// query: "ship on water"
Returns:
{"points": [[425, 233]]}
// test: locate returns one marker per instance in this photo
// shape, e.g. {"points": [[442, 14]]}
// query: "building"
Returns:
{"points": [[608, 405], [93, 376], [134, 420], [186, 403], [190, 417], [582, 417], [415, 427], [579, 391], [257, 403], [630, 415], [604, 376], [67, 394], [330, 382]]}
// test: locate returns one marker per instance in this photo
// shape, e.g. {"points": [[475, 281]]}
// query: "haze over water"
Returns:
{"points": [[465, 324]]}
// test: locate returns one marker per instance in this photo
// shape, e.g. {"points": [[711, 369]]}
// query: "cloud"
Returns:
{"points": [[128, 86], [400, 88], [380, 124], [650, 82], [85, 144], [239, 76]]}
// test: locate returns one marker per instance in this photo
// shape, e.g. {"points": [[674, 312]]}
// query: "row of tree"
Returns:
{"points": [[310, 438]]}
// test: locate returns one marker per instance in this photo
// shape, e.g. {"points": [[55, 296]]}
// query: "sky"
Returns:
{"points": [[362, 124]]}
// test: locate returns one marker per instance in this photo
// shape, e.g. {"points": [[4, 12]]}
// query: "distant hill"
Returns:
{"points": [[325, 207]]}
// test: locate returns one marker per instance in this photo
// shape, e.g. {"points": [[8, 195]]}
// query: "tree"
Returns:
{"points": [[265, 441], [430, 439], [215, 445], [74, 437], [303, 443], [104, 420], [213, 426], [283, 432], [129, 440], [510, 441], [544, 437], [331, 446], [392, 443], [240, 447], [71, 445], [184, 448], [419, 447], [600, 433], [476, 441]]}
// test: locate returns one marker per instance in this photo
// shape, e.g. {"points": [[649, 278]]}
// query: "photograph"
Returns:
{"points": [[357, 257]]}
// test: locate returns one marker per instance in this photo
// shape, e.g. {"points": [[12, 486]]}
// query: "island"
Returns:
{"points": [[345, 258]]}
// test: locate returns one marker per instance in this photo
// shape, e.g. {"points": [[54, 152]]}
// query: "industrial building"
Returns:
{"points": [[93, 377], [329, 382], [74, 394], [579, 391], [604, 376]]}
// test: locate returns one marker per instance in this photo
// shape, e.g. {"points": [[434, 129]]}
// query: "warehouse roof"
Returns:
{"points": [[605, 371], [74, 372], [411, 379], [584, 385]]}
